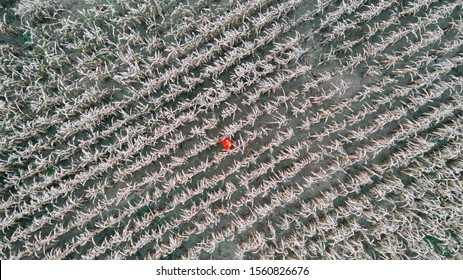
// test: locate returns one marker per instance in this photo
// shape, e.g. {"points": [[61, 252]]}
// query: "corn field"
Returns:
{"points": [[346, 119]]}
